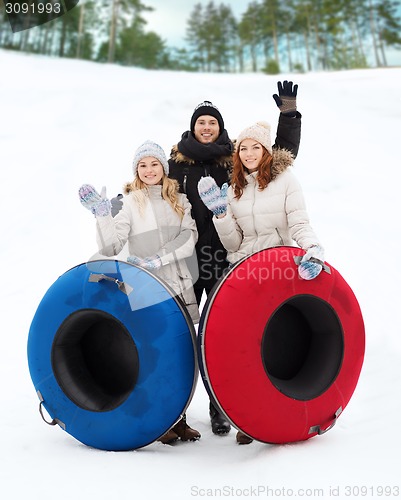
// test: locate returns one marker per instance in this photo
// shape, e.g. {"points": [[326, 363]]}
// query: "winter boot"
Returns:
{"points": [[220, 424], [243, 438], [168, 438], [184, 432]]}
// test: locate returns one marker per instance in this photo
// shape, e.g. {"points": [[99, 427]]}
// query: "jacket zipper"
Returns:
{"points": [[253, 218], [280, 238]]}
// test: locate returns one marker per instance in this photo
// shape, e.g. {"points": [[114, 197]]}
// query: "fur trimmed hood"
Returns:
{"points": [[127, 188], [224, 161], [282, 159]]}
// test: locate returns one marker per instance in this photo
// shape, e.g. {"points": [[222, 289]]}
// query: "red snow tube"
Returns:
{"points": [[281, 356]]}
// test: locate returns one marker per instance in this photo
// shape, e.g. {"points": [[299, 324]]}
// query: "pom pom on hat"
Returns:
{"points": [[150, 148], [260, 132], [207, 108]]}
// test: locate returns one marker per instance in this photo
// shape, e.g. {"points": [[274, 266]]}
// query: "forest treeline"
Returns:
{"points": [[270, 35]]}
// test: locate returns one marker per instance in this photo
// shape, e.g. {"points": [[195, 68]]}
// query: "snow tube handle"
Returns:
{"points": [[95, 278], [317, 428], [55, 421]]}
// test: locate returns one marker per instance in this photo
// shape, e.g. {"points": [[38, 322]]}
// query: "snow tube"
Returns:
{"points": [[280, 356], [112, 355]]}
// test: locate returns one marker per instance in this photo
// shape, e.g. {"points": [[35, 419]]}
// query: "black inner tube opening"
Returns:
{"points": [[95, 360], [302, 347]]}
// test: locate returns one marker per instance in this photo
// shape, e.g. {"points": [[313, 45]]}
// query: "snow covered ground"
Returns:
{"points": [[64, 123]]}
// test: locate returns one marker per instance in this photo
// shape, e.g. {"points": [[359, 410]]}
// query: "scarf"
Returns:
{"points": [[193, 149]]}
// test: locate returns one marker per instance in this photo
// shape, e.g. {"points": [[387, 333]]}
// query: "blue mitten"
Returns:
{"points": [[212, 196], [311, 263], [152, 263], [133, 259], [97, 203], [223, 192]]}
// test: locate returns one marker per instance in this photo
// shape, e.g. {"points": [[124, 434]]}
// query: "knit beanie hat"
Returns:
{"points": [[150, 148], [260, 132], [207, 108]]}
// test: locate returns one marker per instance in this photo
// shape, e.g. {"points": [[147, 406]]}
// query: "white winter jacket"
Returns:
{"points": [[263, 219], [157, 230]]}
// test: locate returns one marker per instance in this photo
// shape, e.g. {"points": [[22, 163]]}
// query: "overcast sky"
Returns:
{"points": [[169, 19]]}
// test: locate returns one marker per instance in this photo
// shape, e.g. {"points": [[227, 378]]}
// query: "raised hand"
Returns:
{"points": [[97, 203], [212, 196], [116, 204], [286, 99]]}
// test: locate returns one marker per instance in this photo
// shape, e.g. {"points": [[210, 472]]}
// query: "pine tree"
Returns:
{"points": [[389, 26], [270, 17], [250, 33], [195, 37], [123, 13], [302, 26], [137, 48]]}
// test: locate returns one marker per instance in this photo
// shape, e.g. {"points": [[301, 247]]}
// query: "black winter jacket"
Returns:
{"points": [[188, 171]]}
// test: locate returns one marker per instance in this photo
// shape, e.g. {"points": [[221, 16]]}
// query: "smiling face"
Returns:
{"points": [[250, 153], [206, 129], [150, 171]]}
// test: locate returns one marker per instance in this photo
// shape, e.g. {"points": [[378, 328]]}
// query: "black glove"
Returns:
{"points": [[116, 204], [286, 99]]}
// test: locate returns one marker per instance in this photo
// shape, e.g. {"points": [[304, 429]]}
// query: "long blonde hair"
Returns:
{"points": [[170, 190]]}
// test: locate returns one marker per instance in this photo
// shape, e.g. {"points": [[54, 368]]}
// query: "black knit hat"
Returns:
{"points": [[207, 108]]}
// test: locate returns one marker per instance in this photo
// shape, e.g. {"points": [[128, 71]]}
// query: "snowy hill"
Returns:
{"points": [[66, 122]]}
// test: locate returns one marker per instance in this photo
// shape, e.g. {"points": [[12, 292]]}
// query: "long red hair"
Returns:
{"points": [[263, 177]]}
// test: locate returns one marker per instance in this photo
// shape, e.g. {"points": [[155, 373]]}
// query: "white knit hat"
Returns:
{"points": [[260, 132], [150, 148]]}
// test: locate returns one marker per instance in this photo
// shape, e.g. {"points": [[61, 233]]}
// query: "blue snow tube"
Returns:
{"points": [[112, 355]]}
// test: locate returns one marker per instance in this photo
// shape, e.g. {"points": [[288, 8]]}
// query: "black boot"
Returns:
{"points": [[220, 424]]}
